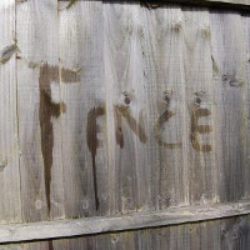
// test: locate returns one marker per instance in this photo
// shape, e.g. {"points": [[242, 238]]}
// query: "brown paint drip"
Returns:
{"points": [[136, 128], [162, 119], [197, 113], [93, 143], [49, 109]]}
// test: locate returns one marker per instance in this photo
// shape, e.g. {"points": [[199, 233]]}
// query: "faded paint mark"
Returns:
{"points": [[163, 119], [93, 143], [167, 114], [215, 66], [7, 53], [123, 111], [47, 110], [71, 3], [196, 113]]}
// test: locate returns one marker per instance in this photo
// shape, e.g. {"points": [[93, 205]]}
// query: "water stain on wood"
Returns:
{"points": [[94, 143], [47, 110], [196, 113], [124, 111]]}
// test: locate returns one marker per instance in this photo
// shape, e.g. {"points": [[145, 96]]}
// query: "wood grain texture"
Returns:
{"points": [[39, 109], [97, 225], [10, 207], [84, 143], [134, 117], [130, 125], [229, 53], [246, 117], [167, 111], [231, 233], [201, 153]]}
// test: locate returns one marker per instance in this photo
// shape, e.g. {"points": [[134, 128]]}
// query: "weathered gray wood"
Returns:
{"points": [[201, 152], [129, 90], [128, 103], [10, 207], [246, 116], [231, 233], [166, 110], [96, 225], [229, 56], [39, 110]]}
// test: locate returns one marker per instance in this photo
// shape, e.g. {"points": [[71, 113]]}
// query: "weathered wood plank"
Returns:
{"points": [[229, 56], [39, 109], [246, 115], [96, 225], [201, 152], [232, 233], [167, 111], [10, 207], [126, 102], [84, 122]]}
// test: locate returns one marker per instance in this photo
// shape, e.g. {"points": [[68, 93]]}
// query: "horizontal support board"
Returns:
{"points": [[97, 225]]}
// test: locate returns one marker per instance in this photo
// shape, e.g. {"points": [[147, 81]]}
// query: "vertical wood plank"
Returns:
{"points": [[128, 102], [228, 48], [165, 86], [39, 109], [84, 144], [203, 183], [246, 116], [10, 207]]}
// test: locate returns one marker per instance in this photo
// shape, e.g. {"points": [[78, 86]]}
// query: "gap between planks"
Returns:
{"points": [[97, 225]]}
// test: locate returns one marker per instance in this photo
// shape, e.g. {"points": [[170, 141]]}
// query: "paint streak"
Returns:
{"points": [[162, 119], [215, 66], [197, 113], [94, 143], [7, 53], [47, 110], [71, 3], [123, 111]]}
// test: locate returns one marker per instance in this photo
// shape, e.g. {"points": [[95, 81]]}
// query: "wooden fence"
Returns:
{"points": [[125, 125]]}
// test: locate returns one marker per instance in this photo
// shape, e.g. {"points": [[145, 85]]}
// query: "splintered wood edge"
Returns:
{"points": [[97, 225]]}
